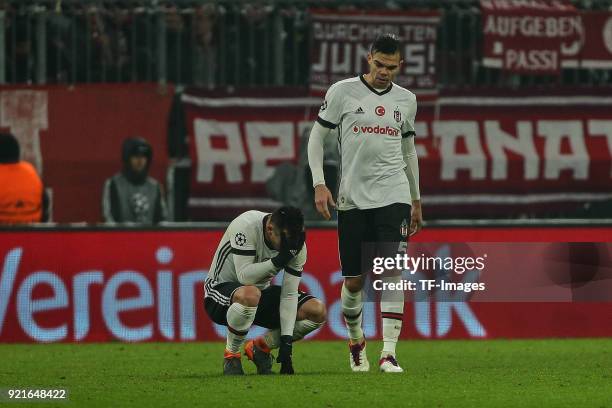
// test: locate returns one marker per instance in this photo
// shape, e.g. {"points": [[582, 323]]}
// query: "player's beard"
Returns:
{"points": [[381, 83]]}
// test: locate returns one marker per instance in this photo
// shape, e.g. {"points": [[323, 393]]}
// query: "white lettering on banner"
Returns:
{"points": [[347, 58], [25, 113], [449, 134], [415, 59], [601, 128], [321, 63], [256, 132], [7, 280], [230, 158], [555, 131], [165, 304], [499, 141], [533, 26], [26, 306], [531, 59], [112, 306], [473, 160], [187, 283], [80, 300], [340, 62]]}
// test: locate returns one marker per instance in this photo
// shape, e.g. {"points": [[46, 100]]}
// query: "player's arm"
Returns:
{"points": [[412, 169], [289, 292], [250, 272], [288, 309], [316, 143], [329, 116], [110, 202]]}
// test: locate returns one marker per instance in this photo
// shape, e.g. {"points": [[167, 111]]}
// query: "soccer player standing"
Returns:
{"points": [[255, 247], [378, 198]]}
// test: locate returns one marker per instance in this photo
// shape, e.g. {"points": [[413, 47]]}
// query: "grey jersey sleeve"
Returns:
{"points": [[316, 147], [330, 113], [409, 150], [242, 239], [412, 166], [250, 273]]}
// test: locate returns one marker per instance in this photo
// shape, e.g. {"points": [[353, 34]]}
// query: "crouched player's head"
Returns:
{"points": [[288, 223]]}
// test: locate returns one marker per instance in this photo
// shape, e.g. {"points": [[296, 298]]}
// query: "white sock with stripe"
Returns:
{"points": [[239, 320], [392, 311], [352, 306]]}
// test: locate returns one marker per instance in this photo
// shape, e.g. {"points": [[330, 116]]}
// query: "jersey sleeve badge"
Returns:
{"points": [[240, 239]]}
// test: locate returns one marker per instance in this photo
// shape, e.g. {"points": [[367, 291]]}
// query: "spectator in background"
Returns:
{"points": [[131, 195], [291, 184], [22, 194]]}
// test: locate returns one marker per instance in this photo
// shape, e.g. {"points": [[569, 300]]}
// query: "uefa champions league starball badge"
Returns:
{"points": [[240, 239]]}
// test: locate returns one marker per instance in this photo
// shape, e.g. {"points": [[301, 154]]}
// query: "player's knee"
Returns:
{"points": [[353, 284], [247, 296], [317, 312]]}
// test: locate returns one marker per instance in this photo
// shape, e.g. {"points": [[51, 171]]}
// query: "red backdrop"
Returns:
{"points": [[147, 286]]}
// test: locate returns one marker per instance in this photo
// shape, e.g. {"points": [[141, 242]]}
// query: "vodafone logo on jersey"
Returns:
{"points": [[376, 130], [380, 110]]}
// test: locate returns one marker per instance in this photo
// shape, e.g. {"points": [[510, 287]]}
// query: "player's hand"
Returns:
{"points": [[416, 217], [284, 355], [298, 243], [323, 198], [284, 253]]}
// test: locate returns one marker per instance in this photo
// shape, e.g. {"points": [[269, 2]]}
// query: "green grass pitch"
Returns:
{"points": [[511, 373]]}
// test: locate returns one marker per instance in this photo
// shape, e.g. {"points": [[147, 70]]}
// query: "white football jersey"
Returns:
{"points": [[245, 236], [371, 125]]}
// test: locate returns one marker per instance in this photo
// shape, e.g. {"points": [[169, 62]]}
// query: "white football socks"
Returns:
{"points": [[239, 320], [392, 311], [352, 306], [300, 330], [303, 327]]}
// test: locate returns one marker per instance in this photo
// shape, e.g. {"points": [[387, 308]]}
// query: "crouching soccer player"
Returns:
{"points": [[255, 247]]}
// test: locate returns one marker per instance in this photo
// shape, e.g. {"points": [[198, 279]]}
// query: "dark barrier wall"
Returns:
{"points": [[84, 286]]}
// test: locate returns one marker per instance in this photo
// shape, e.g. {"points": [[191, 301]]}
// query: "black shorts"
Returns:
{"points": [[363, 233], [268, 311]]}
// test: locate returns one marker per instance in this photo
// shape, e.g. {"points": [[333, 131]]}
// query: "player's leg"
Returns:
{"points": [[311, 315], [234, 306], [352, 233], [391, 224]]}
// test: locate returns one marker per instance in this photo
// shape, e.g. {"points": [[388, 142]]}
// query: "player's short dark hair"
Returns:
{"points": [[385, 43], [290, 219]]}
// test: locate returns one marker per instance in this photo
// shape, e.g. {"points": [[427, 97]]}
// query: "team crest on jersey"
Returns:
{"points": [[404, 228], [380, 110], [323, 106], [397, 115], [240, 239]]}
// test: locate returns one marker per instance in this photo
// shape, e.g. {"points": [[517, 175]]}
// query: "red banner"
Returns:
{"points": [[528, 37], [114, 290], [73, 136], [341, 43], [595, 49], [511, 156]]}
